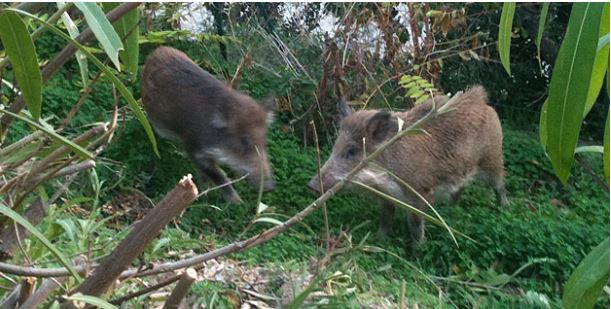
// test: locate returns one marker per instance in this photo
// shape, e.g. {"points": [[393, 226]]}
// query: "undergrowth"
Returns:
{"points": [[546, 227]]}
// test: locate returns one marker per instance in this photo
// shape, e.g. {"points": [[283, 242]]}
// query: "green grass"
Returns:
{"points": [[543, 221]]}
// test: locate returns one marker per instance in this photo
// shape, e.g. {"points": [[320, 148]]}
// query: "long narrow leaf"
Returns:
{"points": [[408, 207], [74, 32], [542, 18], [76, 148], [102, 29], [505, 29], [600, 62], [570, 84], [128, 29], [20, 49], [28, 226], [543, 125], [588, 279], [91, 300], [606, 148], [595, 149], [113, 78]]}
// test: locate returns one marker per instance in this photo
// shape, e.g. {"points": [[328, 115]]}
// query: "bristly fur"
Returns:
{"points": [[214, 121], [456, 146]]}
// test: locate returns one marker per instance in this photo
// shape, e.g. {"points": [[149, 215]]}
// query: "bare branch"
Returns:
{"points": [[9, 240], [246, 62], [75, 168], [197, 261], [134, 244], [182, 288]]}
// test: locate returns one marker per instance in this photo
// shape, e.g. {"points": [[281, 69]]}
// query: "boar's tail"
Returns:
{"points": [[475, 95]]}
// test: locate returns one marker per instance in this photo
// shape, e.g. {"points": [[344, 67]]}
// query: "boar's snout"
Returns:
{"points": [[314, 185], [268, 184], [255, 181]]}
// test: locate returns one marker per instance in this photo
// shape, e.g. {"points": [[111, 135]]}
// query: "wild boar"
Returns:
{"points": [[214, 122], [457, 145]]}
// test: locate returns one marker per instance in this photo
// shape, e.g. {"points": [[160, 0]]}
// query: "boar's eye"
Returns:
{"points": [[351, 151]]}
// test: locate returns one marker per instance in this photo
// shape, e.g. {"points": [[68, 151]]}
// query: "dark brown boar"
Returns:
{"points": [[457, 145], [214, 122]]}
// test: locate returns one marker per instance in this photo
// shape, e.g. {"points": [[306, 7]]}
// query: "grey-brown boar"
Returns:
{"points": [[214, 122], [457, 145]]}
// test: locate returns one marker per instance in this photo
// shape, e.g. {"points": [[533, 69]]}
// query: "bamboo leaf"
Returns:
{"points": [[261, 208], [409, 208], [543, 124], [269, 220], [582, 149], [113, 78], [606, 148], [570, 84], [129, 31], [600, 62], [91, 300], [76, 148], [20, 49], [28, 226], [102, 29], [542, 18], [505, 29], [74, 32], [588, 279]]}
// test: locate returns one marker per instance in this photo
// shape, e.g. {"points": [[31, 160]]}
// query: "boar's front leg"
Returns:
{"points": [[386, 218], [211, 171], [416, 223]]}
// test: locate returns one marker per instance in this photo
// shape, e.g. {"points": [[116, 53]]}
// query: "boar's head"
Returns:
{"points": [[359, 135]]}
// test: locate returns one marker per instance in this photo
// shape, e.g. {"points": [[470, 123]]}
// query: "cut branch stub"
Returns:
{"points": [[182, 288], [134, 244]]}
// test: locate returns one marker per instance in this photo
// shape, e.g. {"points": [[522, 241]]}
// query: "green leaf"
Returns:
{"points": [[588, 279], [570, 85], [74, 32], [113, 78], [261, 208], [91, 300], [542, 18], [582, 149], [603, 41], [76, 148], [129, 31], [28, 226], [20, 49], [600, 62], [505, 29], [102, 29], [606, 148], [269, 220], [543, 124]]}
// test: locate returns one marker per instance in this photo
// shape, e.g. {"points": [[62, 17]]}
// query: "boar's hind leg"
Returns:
{"points": [[210, 171], [494, 174]]}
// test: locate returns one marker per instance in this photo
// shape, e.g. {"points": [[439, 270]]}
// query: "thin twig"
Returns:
{"points": [[322, 189], [196, 261]]}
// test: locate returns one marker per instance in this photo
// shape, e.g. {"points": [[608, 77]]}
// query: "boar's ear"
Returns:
{"points": [[344, 109], [269, 103], [380, 126]]}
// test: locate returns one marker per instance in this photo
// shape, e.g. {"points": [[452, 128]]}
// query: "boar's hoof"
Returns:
{"points": [[383, 233], [502, 200]]}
